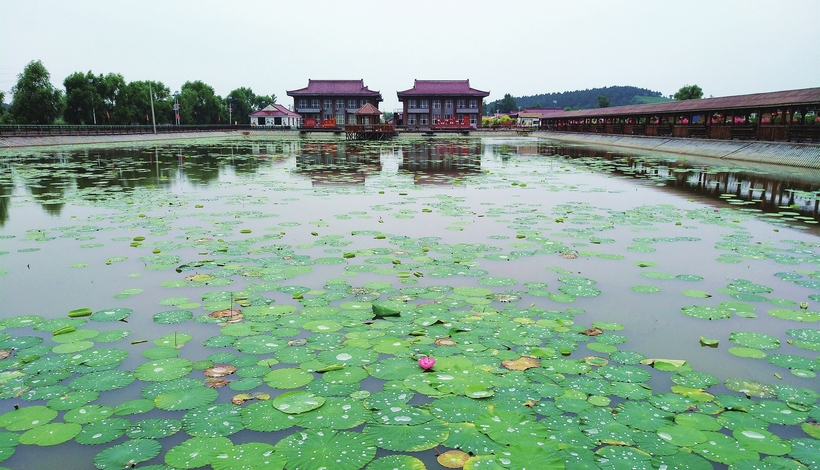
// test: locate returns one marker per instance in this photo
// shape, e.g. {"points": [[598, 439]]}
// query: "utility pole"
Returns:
{"points": [[153, 118]]}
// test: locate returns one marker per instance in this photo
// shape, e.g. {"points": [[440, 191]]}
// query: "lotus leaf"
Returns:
{"points": [[249, 456], [336, 413], [263, 416], [88, 414], [27, 417], [339, 450], [221, 419], [154, 428], [185, 399], [50, 434], [408, 437], [196, 452], [163, 370], [103, 431]]}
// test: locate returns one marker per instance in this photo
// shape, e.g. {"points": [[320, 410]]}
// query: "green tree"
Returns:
{"points": [[136, 104], [603, 101], [243, 101], [507, 104], [35, 99], [263, 100], [199, 104], [689, 92], [80, 96]]}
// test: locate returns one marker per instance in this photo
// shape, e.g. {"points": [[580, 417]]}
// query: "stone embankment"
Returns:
{"points": [[776, 153], [58, 140]]}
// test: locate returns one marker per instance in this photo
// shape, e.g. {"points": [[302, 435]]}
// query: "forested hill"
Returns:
{"points": [[586, 99]]}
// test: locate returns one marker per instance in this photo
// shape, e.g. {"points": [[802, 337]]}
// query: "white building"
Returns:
{"points": [[275, 115]]}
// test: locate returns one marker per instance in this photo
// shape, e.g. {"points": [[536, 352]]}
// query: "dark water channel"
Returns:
{"points": [[506, 248]]}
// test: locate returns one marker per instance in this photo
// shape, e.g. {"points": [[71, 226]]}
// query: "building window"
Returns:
{"points": [[303, 103], [473, 104], [460, 104], [314, 104], [340, 104], [424, 104], [340, 119], [411, 104], [436, 104], [328, 105], [411, 120], [448, 104], [423, 120], [351, 104], [473, 121], [436, 118], [362, 103], [351, 119], [448, 116]]}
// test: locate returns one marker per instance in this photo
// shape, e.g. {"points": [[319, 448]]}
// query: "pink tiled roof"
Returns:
{"points": [[335, 87], [368, 109], [274, 110], [442, 87]]}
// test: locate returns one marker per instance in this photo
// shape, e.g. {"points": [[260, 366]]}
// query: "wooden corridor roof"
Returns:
{"points": [[809, 97]]}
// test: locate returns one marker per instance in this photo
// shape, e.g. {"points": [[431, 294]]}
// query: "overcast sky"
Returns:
{"points": [[503, 46]]}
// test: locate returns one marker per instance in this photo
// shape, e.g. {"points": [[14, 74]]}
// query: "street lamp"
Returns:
{"points": [[230, 111], [176, 107]]}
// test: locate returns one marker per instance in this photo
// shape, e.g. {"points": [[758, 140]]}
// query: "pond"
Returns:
{"points": [[485, 303]]}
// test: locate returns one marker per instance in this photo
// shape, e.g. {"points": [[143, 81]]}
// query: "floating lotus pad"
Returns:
{"points": [[163, 370], [196, 452], [50, 434], [340, 450]]}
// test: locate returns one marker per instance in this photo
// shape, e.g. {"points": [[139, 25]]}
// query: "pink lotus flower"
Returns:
{"points": [[426, 362]]}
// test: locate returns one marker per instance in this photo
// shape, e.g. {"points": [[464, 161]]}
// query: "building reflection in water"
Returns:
{"points": [[93, 174]]}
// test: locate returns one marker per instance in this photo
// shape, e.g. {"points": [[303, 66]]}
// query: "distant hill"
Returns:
{"points": [[587, 99]]}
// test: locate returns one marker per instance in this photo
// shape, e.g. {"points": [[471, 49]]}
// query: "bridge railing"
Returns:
{"points": [[22, 130]]}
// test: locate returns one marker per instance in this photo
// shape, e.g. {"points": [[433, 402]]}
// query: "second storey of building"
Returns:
{"points": [[431, 101], [333, 99]]}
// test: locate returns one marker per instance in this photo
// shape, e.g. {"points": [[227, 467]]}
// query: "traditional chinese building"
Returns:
{"points": [[430, 102], [339, 100], [274, 115]]}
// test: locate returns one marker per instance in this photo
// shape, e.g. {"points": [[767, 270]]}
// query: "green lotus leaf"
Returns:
{"points": [[698, 294], [751, 339], [27, 417], [777, 412], [458, 409], [50, 434], [682, 436], [112, 336], [642, 416], [760, 440], [287, 378], [154, 428], [621, 457], [88, 414], [74, 336], [218, 419], [791, 361], [724, 449], [467, 437], [249, 456], [111, 314], [163, 370], [508, 427], [21, 321], [349, 356], [72, 400], [260, 344], [196, 452], [795, 315], [345, 375], [172, 317], [392, 462], [751, 388], [297, 402], [103, 431], [263, 416], [339, 450], [747, 352], [161, 352], [185, 399], [408, 438], [103, 381], [336, 413], [706, 313]]}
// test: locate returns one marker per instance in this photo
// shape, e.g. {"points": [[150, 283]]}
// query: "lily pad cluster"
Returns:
{"points": [[482, 339]]}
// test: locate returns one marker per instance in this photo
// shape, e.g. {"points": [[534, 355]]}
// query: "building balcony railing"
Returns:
{"points": [[308, 110]]}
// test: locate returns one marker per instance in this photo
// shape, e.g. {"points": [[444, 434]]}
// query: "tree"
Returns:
{"points": [[136, 103], [603, 101], [35, 99], [689, 92], [507, 104], [243, 101], [198, 104], [263, 100]]}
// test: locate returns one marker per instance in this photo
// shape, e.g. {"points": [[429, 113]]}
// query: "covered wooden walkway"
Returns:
{"points": [[792, 116]]}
